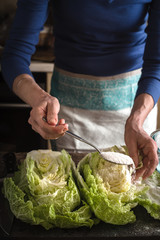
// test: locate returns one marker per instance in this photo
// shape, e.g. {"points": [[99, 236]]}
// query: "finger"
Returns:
{"points": [[133, 152], [139, 173], [61, 121], [150, 167], [34, 125], [49, 131], [151, 160], [36, 116], [36, 128], [146, 165], [53, 132]]}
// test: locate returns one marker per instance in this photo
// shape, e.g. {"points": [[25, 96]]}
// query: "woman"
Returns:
{"points": [[102, 51]]}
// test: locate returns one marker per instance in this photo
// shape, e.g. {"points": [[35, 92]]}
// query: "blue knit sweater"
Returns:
{"points": [[94, 37]]}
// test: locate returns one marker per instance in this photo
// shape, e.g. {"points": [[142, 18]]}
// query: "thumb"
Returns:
{"points": [[52, 113]]}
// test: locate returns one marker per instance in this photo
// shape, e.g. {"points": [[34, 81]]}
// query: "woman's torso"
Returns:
{"points": [[100, 37]]}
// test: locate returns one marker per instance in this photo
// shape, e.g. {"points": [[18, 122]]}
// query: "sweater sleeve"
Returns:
{"points": [[24, 35], [150, 78]]}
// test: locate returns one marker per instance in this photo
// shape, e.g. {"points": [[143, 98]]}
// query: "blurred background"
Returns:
{"points": [[15, 132]]}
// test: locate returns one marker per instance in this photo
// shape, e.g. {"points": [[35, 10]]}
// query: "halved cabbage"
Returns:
{"points": [[44, 192], [108, 188]]}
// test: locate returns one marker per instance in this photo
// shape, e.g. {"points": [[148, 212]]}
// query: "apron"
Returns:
{"points": [[96, 108]]}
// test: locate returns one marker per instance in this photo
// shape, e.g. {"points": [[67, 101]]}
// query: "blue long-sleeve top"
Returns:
{"points": [[93, 37]]}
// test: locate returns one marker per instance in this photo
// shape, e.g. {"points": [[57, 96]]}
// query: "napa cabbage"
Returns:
{"points": [[44, 192], [111, 191]]}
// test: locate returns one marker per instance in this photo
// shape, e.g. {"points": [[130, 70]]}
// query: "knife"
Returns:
{"points": [[8, 161]]}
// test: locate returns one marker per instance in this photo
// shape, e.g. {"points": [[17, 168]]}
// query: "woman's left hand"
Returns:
{"points": [[138, 141]]}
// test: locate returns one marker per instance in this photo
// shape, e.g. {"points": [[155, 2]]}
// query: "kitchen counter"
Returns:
{"points": [[145, 226]]}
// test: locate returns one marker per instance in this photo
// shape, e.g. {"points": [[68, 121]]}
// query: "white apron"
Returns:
{"points": [[96, 108]]}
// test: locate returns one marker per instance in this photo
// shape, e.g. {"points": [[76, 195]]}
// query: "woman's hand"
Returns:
{"points": [[43, 105], [137, 140], [48, 107]]}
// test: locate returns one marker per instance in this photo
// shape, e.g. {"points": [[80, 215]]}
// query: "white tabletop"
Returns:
{"points": [[40, 67]]}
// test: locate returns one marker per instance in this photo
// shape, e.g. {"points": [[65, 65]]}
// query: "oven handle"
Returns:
{"points": [[14, 105]]}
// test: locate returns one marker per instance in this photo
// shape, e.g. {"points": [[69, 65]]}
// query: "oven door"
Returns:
{"points": [[16, 133]]}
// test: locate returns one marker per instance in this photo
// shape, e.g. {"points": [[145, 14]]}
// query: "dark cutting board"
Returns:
{"points": [[145, 226]]}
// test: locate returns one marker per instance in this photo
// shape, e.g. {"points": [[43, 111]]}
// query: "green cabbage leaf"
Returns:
{"points": [[151, 198]]}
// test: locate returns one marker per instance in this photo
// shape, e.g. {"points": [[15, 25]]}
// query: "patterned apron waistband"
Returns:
{"points": [[93, 92], [103, 78]]}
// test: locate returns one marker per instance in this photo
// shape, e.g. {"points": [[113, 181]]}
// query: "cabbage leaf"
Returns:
{"points": [[150, 199]]}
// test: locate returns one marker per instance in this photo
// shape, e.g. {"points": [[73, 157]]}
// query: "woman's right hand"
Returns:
{"points": [[43, 105], [48, 107]]}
